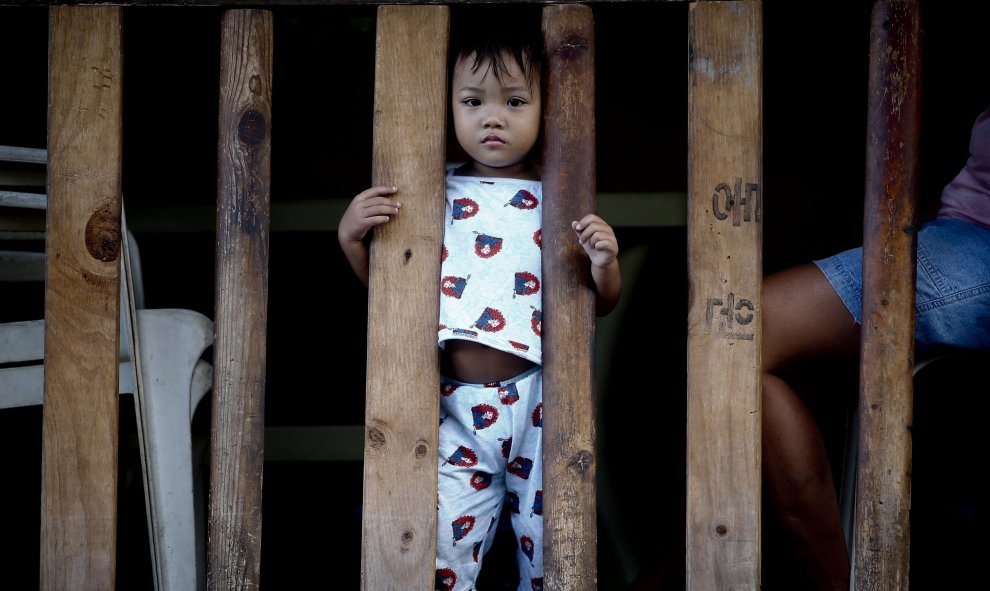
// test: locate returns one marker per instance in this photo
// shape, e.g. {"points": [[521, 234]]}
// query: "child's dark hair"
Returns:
{"points": [[490, 32]]}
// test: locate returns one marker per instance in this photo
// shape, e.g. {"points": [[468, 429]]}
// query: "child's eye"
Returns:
{"points": [[472, 102], [515, 102]]}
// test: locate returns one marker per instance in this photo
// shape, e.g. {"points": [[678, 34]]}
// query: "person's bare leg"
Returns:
{"points": [[803, 318]]}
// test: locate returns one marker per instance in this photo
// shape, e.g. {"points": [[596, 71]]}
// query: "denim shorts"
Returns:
{"points": [[953, 285]]}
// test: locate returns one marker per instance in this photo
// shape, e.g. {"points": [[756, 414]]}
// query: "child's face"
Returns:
{"points": [[496, 123]]}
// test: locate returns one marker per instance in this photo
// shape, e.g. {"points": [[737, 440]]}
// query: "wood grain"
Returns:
{"points": [[403, 376], [569, 454], [241, 300], [725, 277], [82, 300], [883, 479]]}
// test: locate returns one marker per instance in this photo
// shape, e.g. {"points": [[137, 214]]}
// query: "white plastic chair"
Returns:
{"points": [[167, 377]]}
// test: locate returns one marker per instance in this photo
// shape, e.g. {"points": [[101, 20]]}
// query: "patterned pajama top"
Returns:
{"points": [[490, 276]]}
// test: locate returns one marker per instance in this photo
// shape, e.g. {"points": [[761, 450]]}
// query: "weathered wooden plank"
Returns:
{"points": [[883, 481], [403, 376], [82, 305], [241, 310], [569, 458], [725, 268]]}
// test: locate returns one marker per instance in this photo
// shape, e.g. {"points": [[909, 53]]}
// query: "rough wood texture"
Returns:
{"points": [[237, 440], [883, 481], [403, 376], [569, 455], [82, 305], [725, 269]]}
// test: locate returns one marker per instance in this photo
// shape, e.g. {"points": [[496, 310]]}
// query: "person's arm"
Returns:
{"points": [[370, 208], [598, 240]]}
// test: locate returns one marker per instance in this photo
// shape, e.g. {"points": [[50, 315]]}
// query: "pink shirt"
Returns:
{"points": [[967, 197]]}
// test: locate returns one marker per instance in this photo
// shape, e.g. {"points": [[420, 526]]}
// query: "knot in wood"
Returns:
{"points": [[572, 47], [421, 450], [254, 84], [252, 128], [103, 235], [581, 462], [721, 530], [376, 439]]}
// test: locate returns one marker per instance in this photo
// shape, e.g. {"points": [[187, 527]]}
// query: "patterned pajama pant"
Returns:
{"points": [[490, 456]]}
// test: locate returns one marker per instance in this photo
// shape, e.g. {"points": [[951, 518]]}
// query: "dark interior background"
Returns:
{"points": [[815, 78]]}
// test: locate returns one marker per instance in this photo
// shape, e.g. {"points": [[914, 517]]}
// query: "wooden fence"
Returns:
{"points": [[725, 205]]}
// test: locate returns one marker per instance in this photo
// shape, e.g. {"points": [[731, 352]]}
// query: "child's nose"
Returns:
{"points": [[493, 119]]}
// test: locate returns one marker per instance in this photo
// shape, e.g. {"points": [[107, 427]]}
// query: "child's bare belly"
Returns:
{"points": [[474, 363]]}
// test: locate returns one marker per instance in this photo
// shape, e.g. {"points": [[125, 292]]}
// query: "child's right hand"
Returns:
{"points": [[370, 208]]}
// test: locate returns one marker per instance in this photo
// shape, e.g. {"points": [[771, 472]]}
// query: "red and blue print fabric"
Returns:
{"points": [[490, 459], [491, 277]]}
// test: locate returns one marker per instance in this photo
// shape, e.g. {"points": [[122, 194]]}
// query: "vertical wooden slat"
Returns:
{"points": [[82, 306], [403, 376], [725, 268], [237, 441], [569, 460], [883, 481]]}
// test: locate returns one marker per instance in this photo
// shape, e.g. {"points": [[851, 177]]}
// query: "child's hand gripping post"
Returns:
{"points": [[598, 241], [372, 207]]}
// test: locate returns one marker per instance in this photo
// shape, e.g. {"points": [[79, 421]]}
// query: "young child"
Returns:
{"points": [[490, 300], [952, 309]]}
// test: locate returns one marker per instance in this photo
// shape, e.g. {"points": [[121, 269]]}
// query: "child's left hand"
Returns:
{"points": [[598, 240]]}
